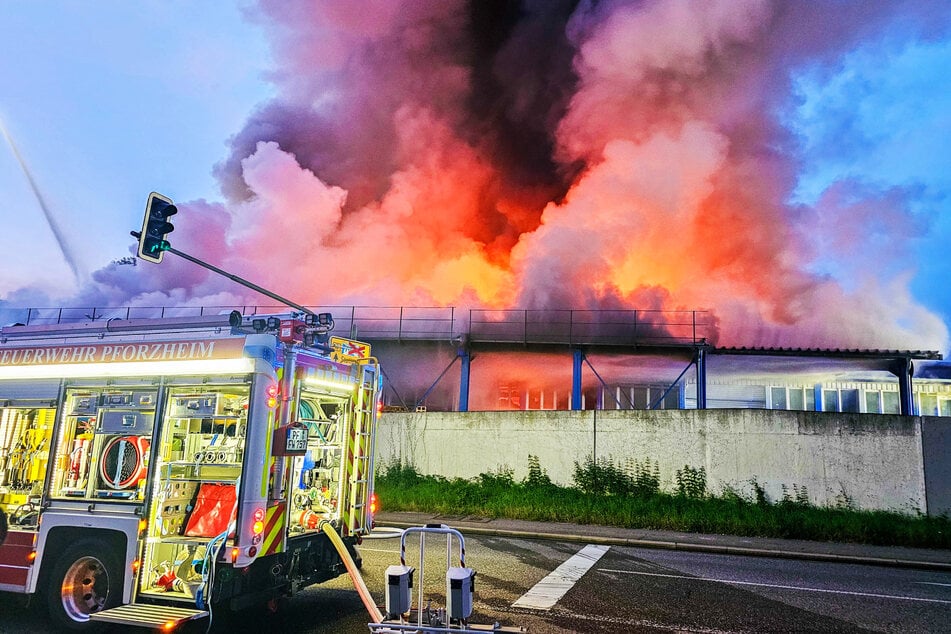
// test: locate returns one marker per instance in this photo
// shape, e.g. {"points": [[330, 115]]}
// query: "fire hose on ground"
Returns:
{"points": [[375, 615]]}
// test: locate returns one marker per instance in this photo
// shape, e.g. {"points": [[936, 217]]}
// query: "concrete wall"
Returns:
{"points": [[874, 460], [936, 453]]}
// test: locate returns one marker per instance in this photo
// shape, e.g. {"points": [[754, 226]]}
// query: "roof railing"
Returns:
{"points": [[628, 327]]}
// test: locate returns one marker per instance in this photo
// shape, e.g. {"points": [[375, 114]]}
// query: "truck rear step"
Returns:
{"points": [[145, 615]]}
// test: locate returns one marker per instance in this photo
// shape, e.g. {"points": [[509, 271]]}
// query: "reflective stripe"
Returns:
{"points": [[274, 522]]}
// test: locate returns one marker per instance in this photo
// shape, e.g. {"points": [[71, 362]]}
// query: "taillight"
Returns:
{"points": [[271, 393], [258, 526]]}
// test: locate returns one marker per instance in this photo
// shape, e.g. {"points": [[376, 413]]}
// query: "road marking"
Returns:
{"points": [[546, 593], [363, 549], [777, 586], [935, 583]]}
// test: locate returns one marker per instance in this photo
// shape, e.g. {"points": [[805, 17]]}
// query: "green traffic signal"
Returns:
{"points": [[155, 227]]}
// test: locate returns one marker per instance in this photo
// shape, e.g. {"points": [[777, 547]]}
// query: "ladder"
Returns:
{"points": [[359, 456]]}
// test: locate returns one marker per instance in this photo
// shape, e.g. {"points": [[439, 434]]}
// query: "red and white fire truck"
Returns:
{"points": [[155, 470]]}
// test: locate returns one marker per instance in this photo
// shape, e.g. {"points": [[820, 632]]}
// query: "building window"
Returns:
{"points": [[849, 400], [873, 404], [890, 403], [830, 400], [796, 400], [928, 404], [777, 398]]}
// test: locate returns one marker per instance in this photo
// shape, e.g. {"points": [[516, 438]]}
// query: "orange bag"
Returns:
{"points": [[215, 507]]}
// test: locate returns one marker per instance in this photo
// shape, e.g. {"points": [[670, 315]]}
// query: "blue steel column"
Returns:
{"points": [[701, 378], [464, 380], [576, 379]]}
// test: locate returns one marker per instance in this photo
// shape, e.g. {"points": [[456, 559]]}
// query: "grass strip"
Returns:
{"points": [[401, 488]]}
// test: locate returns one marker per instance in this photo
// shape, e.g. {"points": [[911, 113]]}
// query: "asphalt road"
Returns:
{"points": [[625, 590]]}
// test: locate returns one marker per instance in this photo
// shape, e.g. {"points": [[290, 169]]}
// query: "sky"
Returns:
{"points": [[783, 166]]}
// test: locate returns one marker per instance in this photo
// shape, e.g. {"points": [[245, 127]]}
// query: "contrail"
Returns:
{"points": [[70, 257]]}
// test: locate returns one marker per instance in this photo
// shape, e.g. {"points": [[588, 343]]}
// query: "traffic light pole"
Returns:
{"points": [[234, 278]]}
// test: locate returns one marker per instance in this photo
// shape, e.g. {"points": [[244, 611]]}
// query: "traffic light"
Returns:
{"points": [[155, 226]]}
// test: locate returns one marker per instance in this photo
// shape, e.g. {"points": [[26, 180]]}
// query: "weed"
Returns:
{"points": [[603, 477], [799, 496], [759, 493], [843, 500], [691, 483], [502, 477], [537, 477]]}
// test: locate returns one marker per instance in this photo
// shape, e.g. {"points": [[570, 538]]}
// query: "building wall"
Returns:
{"points": [[873, 460]]}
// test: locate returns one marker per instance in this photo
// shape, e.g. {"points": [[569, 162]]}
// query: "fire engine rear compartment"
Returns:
{"points": [[202, 443], [194, 494]]}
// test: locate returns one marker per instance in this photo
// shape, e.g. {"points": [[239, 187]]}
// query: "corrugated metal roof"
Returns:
{"points": [[841, 353]]}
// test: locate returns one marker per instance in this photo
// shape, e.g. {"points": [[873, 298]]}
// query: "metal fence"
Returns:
{"points": [[414, 323]]}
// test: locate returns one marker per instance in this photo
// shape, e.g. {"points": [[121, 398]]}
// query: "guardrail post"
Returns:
{"points": [[399, 332]]}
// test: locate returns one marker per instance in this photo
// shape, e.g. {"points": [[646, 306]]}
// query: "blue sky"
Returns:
{"points": [[883, 118], [110, 100], [107, 101]]}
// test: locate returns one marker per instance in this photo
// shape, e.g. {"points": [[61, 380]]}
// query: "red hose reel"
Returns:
{"points": [[123, 461]]}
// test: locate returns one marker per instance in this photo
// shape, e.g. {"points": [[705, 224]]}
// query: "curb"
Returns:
{"points": [[693, 547]]}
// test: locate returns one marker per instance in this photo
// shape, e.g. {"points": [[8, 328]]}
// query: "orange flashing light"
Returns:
{"points": [[135, 565], [373, 503], [257, 528], [234, 554], [31, 557], [169, 626], [142, 525]]}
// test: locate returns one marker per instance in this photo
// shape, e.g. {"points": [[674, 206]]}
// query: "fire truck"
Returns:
{"points": [[153, 471]]}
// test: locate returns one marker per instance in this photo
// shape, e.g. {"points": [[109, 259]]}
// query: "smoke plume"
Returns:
{"points": [[554, 154]]}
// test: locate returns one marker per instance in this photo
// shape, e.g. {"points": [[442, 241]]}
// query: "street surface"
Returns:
{"points": [[612, 590]]}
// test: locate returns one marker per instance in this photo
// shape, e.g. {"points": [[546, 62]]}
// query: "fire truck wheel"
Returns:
{"points": [[85, 579]]}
